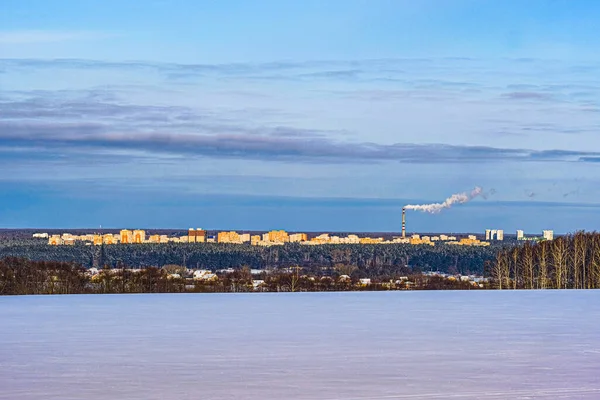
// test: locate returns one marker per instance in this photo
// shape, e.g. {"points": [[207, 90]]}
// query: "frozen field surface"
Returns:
{"points": [[386, 345]]}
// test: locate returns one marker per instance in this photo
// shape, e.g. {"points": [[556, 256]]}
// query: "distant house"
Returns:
{"points": [[201, 274], [256, 284], [227, 271], [365, 281], [173, 276], [204, 275], [344, 278]]}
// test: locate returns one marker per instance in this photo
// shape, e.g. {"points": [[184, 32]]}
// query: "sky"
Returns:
{"points": [[299, 115]]}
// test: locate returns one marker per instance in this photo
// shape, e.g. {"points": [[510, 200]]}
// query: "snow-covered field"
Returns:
{"points": [[387, 345]]}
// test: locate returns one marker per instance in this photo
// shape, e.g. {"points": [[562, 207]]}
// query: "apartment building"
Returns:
{"points": [[196, 235], [126, 236]]}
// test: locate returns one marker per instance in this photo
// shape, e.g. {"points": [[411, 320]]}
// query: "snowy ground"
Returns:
{"points": [[390, 345]]}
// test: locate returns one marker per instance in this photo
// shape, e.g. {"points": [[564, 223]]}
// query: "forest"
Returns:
{"points": [[372, 261], [567, 262]]}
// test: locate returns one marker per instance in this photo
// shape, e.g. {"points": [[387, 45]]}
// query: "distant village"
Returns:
{"points": [[289, 279], [272, 238]]}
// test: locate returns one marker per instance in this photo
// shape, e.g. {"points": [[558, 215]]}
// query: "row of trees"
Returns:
{"points": [[568, 262], [20, 276]]}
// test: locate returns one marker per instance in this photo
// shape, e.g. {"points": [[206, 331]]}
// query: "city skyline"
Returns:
{"points": [[271, 238], [157, 113], [199, 235]]}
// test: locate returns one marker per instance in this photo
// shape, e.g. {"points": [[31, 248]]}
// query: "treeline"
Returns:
{"points": [[19, 276], [372, 260], [22, 276], [567, 262]]}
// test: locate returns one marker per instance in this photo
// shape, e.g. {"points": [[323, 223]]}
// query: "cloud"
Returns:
{"points": [[430, 72], [528, 96], [68, 122], [519, 87], [293, 146], [390, 95], [341, 74], [428, 80], [561, 154], [590, 159], [58, 106], [177, 70], [35, 36], [104, 110]]}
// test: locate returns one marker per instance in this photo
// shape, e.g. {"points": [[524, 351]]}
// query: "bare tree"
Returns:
{"points": [[574, 259], [583, 259], [514, 267], [559, 258], [595, 263], [345, 269], [500, 272], [542, 262], [527, 266], [294, 278]]}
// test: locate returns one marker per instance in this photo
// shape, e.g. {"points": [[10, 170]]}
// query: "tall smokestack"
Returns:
{"points": [[403, 222]]}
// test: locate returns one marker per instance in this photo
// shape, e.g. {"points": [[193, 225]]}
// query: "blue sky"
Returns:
{"points": [[299, 115]]}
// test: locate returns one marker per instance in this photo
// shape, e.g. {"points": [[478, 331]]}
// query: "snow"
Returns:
{"points": [[360, 345]]}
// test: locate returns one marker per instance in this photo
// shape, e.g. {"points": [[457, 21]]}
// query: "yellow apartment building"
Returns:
{"points": [[126, 236], [154, 239], [108, 239], [139, 236], [298, 237], [196, 235], [229, 237], [55, 240], [280, 236], [255, 239], [97, 240]]}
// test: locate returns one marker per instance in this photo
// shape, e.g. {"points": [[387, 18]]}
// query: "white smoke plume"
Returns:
{"points": [[454, 199]]}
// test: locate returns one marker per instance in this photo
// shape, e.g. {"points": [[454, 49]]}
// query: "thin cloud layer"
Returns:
{"points": [[87, 137], [84, 120], [528, 96]]}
